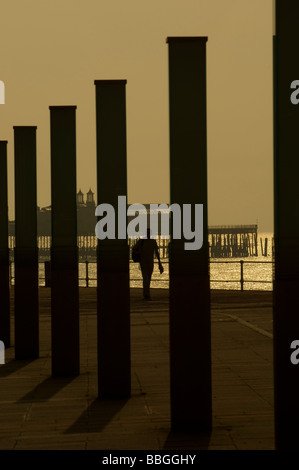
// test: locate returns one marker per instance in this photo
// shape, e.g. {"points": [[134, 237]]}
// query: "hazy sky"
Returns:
{"points": [[52, 51]]}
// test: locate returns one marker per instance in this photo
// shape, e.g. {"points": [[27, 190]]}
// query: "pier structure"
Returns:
{"points": [[233, 241], [236, 241]]}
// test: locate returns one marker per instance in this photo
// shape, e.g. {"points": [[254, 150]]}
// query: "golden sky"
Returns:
{"points": [[52, 51]]}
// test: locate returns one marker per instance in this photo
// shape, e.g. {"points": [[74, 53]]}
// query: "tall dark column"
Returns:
{"points": [[114, 363], [190, 330], [26, 252], [4, 252], [64, 250], [286, 224]]}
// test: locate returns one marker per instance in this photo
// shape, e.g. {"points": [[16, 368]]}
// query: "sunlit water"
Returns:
{"points": [[225, 273]]}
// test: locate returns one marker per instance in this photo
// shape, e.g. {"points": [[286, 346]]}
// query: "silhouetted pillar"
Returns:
{"points": [[114, 363], [64, 250], [190, 329], [26, 251], [47, 273], [4, 251], [286, 224]]}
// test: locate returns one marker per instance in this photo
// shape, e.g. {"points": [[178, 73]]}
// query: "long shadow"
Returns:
{"points": [[183, 441], [98, 414], [13, 366], [46, 389]]}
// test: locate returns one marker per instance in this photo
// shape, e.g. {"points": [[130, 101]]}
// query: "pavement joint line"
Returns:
{"points": [[243, 416], [40, 400], [239, 307], [250, 325]]}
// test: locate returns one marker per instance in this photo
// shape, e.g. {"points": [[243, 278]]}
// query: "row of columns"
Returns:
{"points": [[189, 276], [190, 338]]}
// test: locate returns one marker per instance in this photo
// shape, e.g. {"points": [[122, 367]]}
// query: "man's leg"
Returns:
{"points": [[146, 283]]}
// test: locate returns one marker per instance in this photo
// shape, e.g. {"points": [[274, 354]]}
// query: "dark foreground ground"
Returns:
{"points": [[39, 412]]}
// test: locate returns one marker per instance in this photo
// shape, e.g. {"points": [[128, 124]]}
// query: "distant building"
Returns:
{"points": [[224, 241], [86, 219]]}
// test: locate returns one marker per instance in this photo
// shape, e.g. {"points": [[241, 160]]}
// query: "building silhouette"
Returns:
{"points": [[86, 219], [224, 241]]}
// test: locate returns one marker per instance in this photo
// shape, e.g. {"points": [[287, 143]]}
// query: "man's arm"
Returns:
{"points": [[157, 251]]}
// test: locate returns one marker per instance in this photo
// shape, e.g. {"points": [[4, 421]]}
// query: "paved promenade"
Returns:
{"points": [[38, 412]]}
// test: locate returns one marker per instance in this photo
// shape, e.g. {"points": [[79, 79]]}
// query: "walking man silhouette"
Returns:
{"points": [[148, 248]]}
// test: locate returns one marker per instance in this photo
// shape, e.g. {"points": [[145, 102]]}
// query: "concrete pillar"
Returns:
{"points": [[26, 252], [64, 250], [114, 359], [190, 329], [4, 252], [286, 225]]}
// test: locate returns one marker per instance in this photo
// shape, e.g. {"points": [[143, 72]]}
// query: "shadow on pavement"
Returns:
{"points": [[98, 414], [46, 389], [13, 366]]}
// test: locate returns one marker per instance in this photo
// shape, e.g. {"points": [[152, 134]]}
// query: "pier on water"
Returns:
{"points": [[189, 344], [233, 241], [87, 247]]}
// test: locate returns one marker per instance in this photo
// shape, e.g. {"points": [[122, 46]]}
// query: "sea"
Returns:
{"points": [[225, 273]]}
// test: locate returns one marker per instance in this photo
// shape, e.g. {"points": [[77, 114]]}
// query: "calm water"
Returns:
{"points": [[225, 273]]}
